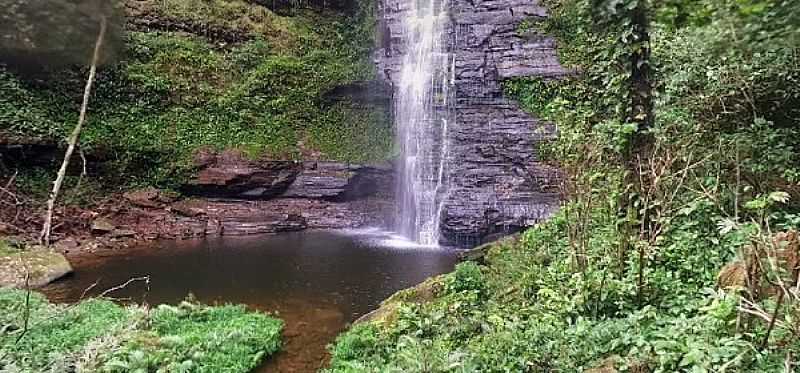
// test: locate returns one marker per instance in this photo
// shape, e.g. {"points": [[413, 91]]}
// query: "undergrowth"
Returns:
{"points": [[98, 335], [677, 256]]}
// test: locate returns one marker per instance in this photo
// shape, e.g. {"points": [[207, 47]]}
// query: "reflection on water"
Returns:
{"points": [[316, 281]]}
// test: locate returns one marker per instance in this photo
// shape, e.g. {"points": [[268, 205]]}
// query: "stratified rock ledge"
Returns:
{"points": [[497, 182]]}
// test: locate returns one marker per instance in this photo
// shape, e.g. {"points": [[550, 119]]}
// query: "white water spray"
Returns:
{"points": [[422, 117]]}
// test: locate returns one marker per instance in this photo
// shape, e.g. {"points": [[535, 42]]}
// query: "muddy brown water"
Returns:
{"points": [[317, 282]]}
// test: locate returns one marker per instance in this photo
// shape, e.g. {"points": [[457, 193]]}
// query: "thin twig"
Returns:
{"points": [[87, 290], [27, 314], [771, 326], [146, 279], [11, 180]]}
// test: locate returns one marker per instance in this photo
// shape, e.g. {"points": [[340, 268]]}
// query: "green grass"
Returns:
{"points": [[99, 335]]}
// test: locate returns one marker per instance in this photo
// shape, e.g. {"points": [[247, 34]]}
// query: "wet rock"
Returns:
{"points": [[231, 175], [190, 208], [322, 180], [122, 233], [479, 253], [102, 226], [339, 181], [265, 222], [369, 92], [67, 244], [388, 311], [496, 183]]}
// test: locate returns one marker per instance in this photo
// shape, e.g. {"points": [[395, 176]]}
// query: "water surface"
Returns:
{"points": [[317, 282]]}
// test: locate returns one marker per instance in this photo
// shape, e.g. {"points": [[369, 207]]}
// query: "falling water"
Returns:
{"points": [[421, 114]]}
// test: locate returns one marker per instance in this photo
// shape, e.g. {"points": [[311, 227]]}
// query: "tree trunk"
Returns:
{"points": [[640, 112], [44, 237]]}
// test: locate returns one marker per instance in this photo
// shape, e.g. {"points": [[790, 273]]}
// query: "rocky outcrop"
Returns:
{"points": [[200, 217], [231, 175], [339, 182], [231, 194], [141, 17], [496, 182]]}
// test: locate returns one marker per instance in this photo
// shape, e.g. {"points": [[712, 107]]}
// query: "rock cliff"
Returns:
{"points": [[496, 181]]}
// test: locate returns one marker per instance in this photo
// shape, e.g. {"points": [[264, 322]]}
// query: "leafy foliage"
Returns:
{"points": [[584, 290]]}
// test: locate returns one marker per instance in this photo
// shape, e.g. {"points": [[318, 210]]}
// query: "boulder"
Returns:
{"points": [[32, 268], [148, 198], [420, 294], [102, 226]]}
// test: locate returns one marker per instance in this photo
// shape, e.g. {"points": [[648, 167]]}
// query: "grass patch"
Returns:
{"points": [[99, 335]]}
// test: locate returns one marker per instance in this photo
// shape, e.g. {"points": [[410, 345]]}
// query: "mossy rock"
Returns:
{"points": [[32, 267], [423, 293]]}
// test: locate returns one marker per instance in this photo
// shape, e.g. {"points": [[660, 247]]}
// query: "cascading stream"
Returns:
{"points": [[422, 117]]}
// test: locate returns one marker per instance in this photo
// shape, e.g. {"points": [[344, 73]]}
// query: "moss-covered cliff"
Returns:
{"points": [[219, 74]]}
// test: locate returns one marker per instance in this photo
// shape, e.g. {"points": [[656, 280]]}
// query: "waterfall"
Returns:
{"points": [[422, 116]]}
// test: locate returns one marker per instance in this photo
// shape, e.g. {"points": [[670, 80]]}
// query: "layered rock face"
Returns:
{"points": [[241, 196], [231, 175], [495, 181]]}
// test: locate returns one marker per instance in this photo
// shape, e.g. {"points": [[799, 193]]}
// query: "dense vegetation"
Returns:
{"points": [[101, 336], [676, 248], [237, 75]]}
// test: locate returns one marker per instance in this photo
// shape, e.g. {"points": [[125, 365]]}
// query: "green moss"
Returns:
{"points": [[6, 249], [173, 93], [99, 335]]}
